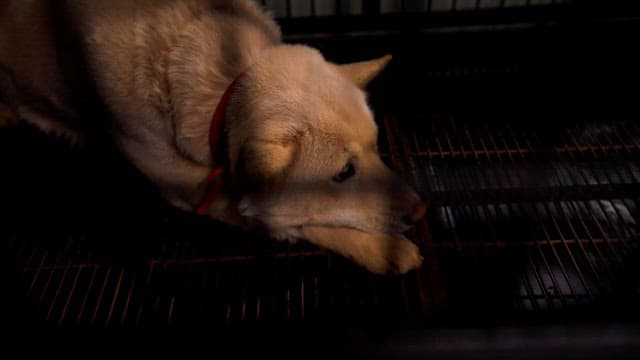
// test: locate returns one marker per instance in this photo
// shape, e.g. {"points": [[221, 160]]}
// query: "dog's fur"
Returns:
{"points": [[156, 69]]}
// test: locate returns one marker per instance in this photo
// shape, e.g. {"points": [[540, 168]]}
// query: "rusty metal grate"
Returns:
{"points": [[563, 200], [528, 218]]}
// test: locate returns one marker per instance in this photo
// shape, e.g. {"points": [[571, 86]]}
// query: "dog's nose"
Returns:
{"points": [[416, 213]]}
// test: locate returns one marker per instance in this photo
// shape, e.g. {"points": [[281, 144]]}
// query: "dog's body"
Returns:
{"points": [[301, 140]]}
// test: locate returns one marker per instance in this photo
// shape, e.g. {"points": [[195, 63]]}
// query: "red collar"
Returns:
{"points": [[213, 182]]}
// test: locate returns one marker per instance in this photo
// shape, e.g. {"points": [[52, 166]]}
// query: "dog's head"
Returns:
{"points": [[304, 141]]}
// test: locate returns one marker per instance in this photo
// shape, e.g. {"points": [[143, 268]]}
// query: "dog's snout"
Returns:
{"points": [[417, 213]]}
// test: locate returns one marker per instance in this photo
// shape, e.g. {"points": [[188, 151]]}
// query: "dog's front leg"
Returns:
{"points": [[379, 253]]}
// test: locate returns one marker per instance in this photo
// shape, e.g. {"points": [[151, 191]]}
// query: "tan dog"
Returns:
{"points": [[301, 139]]}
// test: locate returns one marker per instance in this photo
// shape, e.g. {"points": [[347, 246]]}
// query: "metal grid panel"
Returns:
{"points": [[565, 206], [321, 8], [516, 223]]}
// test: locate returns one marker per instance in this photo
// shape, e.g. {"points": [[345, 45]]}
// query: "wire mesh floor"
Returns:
{"points": [[523, 218]]}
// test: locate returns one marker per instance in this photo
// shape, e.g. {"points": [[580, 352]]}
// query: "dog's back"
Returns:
{"points": [[46, 45]]}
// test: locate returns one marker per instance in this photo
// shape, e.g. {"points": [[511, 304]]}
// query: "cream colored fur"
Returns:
{"points": [[293, 123]]}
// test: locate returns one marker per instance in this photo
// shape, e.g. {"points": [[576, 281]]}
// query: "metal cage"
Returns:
{"points": [[515, 119]]}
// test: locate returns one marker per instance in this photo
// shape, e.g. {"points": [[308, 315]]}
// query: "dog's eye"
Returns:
{"points": [[348, 171]]}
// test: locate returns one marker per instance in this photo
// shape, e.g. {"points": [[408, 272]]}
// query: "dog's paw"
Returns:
{"points": [[377, 252], [391, 254], [290, 235], [405, 256]]}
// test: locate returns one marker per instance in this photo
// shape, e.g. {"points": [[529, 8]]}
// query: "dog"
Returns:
{"points": [[290, 148]]}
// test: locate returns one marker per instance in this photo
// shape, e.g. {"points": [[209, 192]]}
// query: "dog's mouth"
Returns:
{"points": [[385, 227], [287, 227]]}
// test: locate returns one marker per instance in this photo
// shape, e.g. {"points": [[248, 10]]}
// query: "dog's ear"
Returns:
{"points": [[362, 72], [262, 162], [265, 160]]}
